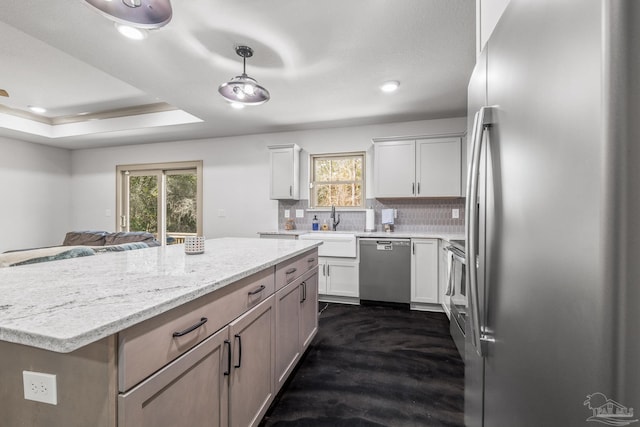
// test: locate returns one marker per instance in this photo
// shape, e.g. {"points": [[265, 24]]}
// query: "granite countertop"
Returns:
{"points": [[377, 234], [64, 305]]}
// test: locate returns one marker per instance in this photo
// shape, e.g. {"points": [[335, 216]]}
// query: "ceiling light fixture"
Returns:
{"points": [[133, 33], [237, 105], [147, 14], [243, 89], [390, 86], [37, 110]]}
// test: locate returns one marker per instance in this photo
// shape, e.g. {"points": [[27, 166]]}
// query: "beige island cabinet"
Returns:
{"points": [[156, 337]]}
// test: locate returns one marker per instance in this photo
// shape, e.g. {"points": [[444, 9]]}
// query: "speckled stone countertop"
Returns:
{"points": [[64, 305], [376, 234]]}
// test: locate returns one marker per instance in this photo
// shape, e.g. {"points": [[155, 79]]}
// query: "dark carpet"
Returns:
{"points": [[375, 366]]}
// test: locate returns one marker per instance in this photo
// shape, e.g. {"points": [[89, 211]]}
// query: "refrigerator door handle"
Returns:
{"points": [[482, 120]]}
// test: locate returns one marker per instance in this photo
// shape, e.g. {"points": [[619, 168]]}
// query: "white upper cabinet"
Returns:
{"points": [[429, 167], [284, 162], [394, 169], [438, 167]]}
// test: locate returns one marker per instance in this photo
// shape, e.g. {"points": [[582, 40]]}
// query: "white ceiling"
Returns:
{"points": [[322, 61]]}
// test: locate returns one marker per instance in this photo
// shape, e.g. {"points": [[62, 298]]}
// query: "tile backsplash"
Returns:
{"points": [[413, 215]]}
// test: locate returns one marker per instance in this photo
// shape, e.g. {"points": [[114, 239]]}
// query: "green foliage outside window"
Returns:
{"points": [[143, 203], [337, 180], [181, 203]]}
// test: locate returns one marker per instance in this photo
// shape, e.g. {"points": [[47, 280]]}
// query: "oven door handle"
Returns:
{"points": [[458, 257]]}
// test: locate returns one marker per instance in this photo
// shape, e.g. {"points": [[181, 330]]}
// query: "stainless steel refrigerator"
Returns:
{"points": [[553, 218]]}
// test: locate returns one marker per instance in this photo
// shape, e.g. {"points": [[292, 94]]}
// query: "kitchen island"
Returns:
{"points": [[113, 327]]}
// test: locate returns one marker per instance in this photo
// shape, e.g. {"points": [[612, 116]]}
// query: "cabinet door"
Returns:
{"points": [[253, 366], [284, 164], [190, 391], [424, 271], [394, 169], [438, 167], [309, 310], [288, 321], [342, 278]]}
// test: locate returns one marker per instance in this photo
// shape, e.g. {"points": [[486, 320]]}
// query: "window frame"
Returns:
{"points": [[162, 170], [333, 156]]}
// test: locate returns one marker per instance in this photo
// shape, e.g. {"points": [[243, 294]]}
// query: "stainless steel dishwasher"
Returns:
{"points": [[385, 270]]}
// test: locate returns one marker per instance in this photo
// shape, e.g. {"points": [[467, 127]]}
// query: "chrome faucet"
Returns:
{"points": [[333, 217]]}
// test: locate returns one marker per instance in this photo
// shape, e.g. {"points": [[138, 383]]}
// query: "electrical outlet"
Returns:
{"points": [[40, 387], [455, 213], [299, 213], [287, 213], [221, 213]]}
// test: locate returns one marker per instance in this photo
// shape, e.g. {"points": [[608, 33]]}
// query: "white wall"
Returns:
{"points": [[235, 175], [35, 183], [488, 13]]}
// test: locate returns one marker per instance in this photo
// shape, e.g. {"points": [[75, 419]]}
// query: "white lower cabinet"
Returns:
{"points": [[338, 277], [424, 271]]}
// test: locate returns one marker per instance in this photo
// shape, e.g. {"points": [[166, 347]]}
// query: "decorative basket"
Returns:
{"points": [[193, 245]]}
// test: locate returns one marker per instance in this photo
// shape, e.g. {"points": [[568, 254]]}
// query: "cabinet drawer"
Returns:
{"points": [[148, 346], [290, 270]]}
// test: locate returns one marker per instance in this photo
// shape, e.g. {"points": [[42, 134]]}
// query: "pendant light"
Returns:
{"points": [[147, 14], [243, 89]]}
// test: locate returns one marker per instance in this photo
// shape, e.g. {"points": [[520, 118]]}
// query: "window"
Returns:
{"points": [[337, 180], [161, 198]]}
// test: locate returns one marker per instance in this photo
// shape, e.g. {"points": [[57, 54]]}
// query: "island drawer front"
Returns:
{"points": [[148, 346], [290, 270]]}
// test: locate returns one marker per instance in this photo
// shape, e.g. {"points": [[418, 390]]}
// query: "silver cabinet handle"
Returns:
{"points": [[291, 190], [413, 188], [418, 188], [482, 120], [328, 271]]}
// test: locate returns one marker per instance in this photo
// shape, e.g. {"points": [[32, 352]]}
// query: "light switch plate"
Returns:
{"points": [[287, 213], [455, 213], [299, 213]]}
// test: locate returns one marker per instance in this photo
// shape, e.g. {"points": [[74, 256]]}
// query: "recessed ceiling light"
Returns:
{"points": [[237, 105], [390, 86], [37, 110], [130, 32]]}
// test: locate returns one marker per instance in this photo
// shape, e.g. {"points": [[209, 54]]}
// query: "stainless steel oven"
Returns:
{"points": [[457, 291]]}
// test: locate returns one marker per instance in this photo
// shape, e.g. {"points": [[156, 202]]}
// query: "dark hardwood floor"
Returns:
{"points": [[375, 366]]}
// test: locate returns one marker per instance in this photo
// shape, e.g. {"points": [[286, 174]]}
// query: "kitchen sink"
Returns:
{"points": [[334, 244]]}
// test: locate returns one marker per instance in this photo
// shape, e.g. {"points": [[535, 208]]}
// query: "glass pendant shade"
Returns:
{"points": [[148, 14], [244, 89]]}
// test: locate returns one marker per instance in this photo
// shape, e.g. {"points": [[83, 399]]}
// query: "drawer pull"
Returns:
{"points": [[191, 328], [228, 344], [257, 291], [304, 291], [239, 351], [301, 292], [311, 260], [291, 271]]}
